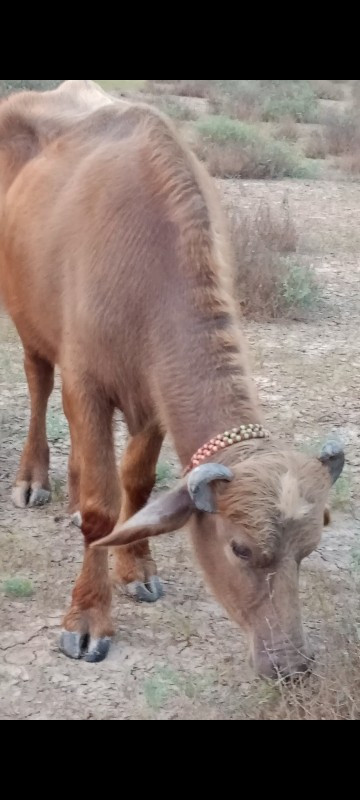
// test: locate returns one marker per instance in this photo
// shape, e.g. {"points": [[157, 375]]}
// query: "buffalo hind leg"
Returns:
{"points": [[32, 487], [87, 627], [135, 568]]}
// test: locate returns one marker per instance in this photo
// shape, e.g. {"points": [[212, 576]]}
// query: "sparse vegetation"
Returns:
{"points": [[166, 683], [56, 425], [356, 94], [342, 135], [328, 90], [271, 281], [164, 475], [182, 88], [316, 146], [332, 693], [341, 493], [11, 86], [342, 132], [18, 587], [265, 100], [287, 130], [238, 149], [175, 109]]}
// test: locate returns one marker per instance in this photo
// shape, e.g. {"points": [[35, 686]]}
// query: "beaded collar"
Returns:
{"points": [[242, 434]]}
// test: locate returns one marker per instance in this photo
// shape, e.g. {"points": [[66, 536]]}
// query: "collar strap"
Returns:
{"points": [[243, 434]]}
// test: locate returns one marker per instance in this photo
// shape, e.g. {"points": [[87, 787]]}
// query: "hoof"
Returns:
{"points": [[81, 646], [148, 592], [98, 650], [25, 495]]}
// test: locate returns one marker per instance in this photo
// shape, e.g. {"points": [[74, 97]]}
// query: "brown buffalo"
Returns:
{"points": [[115, 266]]}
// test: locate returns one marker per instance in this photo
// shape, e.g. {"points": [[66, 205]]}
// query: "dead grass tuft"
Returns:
{"points": [[287, 130], [316, 146], [328, 90], [271, 281]]}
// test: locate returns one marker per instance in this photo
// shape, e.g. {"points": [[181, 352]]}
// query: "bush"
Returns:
{"points": [[237, 99], [271, 283], [287, 130], [316, 145], [342, 132], [237, 149], [175, 110], [356, 94], [182, 88], [328, 90], [295, 99], [265, 100]]}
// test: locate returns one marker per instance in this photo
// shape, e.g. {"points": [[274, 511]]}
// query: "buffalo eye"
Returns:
{"points": [[241, 551]]}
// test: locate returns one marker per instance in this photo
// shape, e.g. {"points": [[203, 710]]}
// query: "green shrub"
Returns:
{"points": [[233, 148], [18, 587]]}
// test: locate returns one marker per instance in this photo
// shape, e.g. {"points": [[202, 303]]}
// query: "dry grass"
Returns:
{"points": [[182, 88], [236, 99], [287, 130], [351, 163], [328, 90], [249, 100], [342, 137], [265, 100], [356, 94], [316, 145], [271, 282], [342, 132], [333, 690], [175, 109]]}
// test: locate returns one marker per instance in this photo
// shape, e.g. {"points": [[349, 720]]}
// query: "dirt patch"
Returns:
{"points": [[182, 658]]}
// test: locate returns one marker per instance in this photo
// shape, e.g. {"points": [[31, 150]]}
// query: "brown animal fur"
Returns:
{"points": [[115, 265]]}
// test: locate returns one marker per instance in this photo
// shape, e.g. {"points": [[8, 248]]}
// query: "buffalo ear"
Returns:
{"points": [[171, 511], [168, 513]]}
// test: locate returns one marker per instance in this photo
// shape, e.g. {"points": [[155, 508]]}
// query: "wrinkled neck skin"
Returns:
{"points": [[212, 403]]}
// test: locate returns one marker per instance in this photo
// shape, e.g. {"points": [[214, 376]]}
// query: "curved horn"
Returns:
{"points": [[199, 484], [333, 457]]}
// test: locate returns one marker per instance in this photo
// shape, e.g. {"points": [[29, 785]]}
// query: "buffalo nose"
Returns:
{"points": [[286, 668]]}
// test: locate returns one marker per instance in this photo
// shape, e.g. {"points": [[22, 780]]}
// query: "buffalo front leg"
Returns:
{"points": [[87, 627], [74, 464], [32, 487], [135, 569]]}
